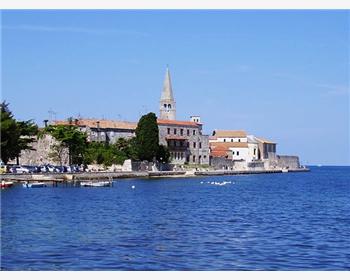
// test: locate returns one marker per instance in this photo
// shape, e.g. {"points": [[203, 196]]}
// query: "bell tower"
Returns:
{"points": [[167, 105]]}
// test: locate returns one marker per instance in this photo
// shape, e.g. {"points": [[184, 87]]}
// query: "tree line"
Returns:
{"points": [[19, 135]]}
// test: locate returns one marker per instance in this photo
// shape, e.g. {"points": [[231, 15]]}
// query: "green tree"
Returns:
{"points": [[15, 135], [163, 154], [70, 137], [147, 137]]}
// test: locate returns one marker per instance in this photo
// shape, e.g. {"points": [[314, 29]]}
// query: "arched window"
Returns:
{"points": [[164, 105], [169, 106]]}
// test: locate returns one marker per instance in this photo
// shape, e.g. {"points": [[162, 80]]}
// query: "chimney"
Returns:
{"points": [[98, 130]]}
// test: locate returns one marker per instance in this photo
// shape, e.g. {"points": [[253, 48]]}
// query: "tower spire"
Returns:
{"points": [[167, 93], [167, 101]]}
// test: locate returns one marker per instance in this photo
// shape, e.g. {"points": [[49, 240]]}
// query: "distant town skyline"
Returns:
{"points": [[279, 74]]}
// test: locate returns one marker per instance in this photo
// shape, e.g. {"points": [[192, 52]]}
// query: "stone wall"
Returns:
{"points": [[40, 156], [221, 163], [150, 166], [289, 162]]}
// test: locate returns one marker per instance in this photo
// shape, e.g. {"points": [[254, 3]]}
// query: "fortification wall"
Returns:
{"points": [[41, 154], [288, 162]]}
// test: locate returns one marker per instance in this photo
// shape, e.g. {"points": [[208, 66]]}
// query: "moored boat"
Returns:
{"points": [[5, 184], [95, 184], [34, 185]]}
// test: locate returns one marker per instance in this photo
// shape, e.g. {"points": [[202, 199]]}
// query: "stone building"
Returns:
{"points": [[108, 131], [184, 139], [167, 105]]}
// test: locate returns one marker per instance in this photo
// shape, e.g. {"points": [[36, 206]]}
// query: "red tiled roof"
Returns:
{"points": [[103, 123], [174, 122], [218, 153], [229, 133], [227, 145], [262, 140]]}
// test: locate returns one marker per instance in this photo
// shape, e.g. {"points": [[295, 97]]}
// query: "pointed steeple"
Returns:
{"points": [[167, 104], [167, 93]]}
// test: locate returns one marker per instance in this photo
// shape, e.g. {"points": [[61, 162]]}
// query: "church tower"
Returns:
{"points": [[167, 106]]}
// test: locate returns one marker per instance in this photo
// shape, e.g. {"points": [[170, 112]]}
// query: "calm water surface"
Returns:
{"points": [[291, 221]]}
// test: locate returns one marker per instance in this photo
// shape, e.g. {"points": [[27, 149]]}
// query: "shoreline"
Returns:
{"points": [[73, 177]]}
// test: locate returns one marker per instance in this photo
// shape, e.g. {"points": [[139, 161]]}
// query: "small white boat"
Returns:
{"points": [[34, 185], [284, 170], [95, 184]]}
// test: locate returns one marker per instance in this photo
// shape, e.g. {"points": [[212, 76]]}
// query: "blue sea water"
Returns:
{"points": [[289, 221]]}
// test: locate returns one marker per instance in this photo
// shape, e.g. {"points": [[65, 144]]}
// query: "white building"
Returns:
{"points": [[244, 150], [228, 136]]}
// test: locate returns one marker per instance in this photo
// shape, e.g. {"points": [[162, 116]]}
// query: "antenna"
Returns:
{"points": [[52, 114]]}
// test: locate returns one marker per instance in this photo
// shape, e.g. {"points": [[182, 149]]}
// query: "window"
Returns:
{"points": [[254, 152], [194, 158], [188, 132], [169, 106], [188, 144], [194, 132], [237, 153], [194, 145], [181, 143], [205, 156], [200, 145], [233, 152], [224, 140], [168, 130], [164, 105], [199, 158], [175, 131], [239, 140], [231, 140], [181, 131]]}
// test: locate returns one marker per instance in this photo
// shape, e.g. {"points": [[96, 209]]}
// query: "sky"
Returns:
{"points": [[278, 74]]}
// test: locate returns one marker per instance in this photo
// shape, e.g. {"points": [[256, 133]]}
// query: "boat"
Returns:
{"points": [[95, 184], [34, 185], [5, 184], [284, 170]]}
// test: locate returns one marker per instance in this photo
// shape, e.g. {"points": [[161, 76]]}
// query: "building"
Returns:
{"points": [[108, 131], [167, 105], [228, 136], [184, 139], [245, 151]]}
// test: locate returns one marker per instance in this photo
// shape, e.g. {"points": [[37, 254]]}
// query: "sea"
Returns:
{"points": [[286, 221]]}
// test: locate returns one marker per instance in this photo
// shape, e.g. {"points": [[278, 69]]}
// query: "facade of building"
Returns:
{"points": [[184, 139], [246, 150], [267, 148], [108, 131]]}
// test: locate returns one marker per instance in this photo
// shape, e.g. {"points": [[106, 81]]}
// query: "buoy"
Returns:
{"points": [[201, 182], [133, 187]]}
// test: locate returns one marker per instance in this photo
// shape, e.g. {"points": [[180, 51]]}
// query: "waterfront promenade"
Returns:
{"points": [[69, 177]]}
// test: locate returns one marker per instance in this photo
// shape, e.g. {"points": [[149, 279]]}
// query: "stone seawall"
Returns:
{"points": [[289, 162], [59, 177]]}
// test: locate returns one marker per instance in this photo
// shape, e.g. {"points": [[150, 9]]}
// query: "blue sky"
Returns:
{"points": [[282, 75]]}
